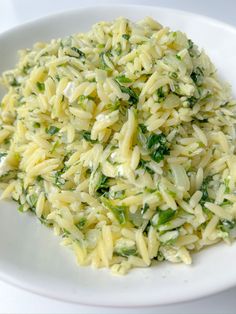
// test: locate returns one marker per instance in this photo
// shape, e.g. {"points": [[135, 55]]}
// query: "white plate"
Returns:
{"points": [[30, 255]]}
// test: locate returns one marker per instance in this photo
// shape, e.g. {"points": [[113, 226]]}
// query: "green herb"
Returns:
{"points": [[39, 178], [102, 186], [41, 86], [197, 75], [36, 125], [192, 101], [126, 251], [118, 49], [59, 181], [143, 127], [204, 190], [52, 130], [227, 188], [26, 68], [79, 52], [123, 79], [104, 65], [157, 144], [160, 94], [144, 165], [100, 46], [144, 208], [126, 36], [32, 201], [190, 48], [81, 223], [133, 97], [21, 208], [14, 82], [227, 225], [165, 216], [118, 211], [173, 75], [178, 57], [87, 136]]}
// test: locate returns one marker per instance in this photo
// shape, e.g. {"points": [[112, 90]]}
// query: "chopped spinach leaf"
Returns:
{"points": [[87, 136], [165, 216], [192, 101], [81, 223], [144, 208], [157, 144], [144, 165], [118, 211], [14, 82], [102, 186], [123, 79], [41, 86], [52, 130], [79, 52], [133, 97], [227, 225], [160, 94], [204, 189], [126, 36], [197, 75]]}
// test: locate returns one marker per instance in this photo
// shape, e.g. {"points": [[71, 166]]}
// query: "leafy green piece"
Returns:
{"points": [[123, 79], [36, 125], [118, 211], [144, 165], [204, 189], [126, 36], [173, 75], [160, 94], [190, 48], [126, 251], [102, 186], [41, 86], [52, 130], [197, 75], [104, 65], [143, 128], [81, 223], [32, 201], [20, 208], [227, 225], [79, 52], [178, 57], [157, 144], [87, 136], [14, 82], [165, 216], [192, 101], [144, 208], [118, 49], [133, 97], [59, 181]]}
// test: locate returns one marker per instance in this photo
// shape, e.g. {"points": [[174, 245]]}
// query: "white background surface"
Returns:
{"points": [[13, 300]]}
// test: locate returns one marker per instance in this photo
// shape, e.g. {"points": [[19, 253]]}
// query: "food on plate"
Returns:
{"points": [[121, 139]]}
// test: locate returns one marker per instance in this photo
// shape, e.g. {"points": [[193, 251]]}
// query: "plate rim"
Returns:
{"points": [[142, 304]]}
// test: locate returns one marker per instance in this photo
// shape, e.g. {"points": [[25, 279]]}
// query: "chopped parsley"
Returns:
{"points": [[52, 130], [118, 211], [126, 36], [123, 79], [133, 97], [157, 145], [87, 136], [41, 86], [102, 186], [80, 53], [197, 75], [204, 189]]}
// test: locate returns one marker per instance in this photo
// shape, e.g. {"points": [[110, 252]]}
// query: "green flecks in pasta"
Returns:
{"points": [[81, 223], [144, 165], [80, 53], [197, 75], [41, 86], [118, 211], [204, 189], [87, 136], [102, 186], [192, 101], [161, 95], [133, 97], [14, 82], [227, 225], [157, 145], [123, 79], [126, 36], [52, 130]]}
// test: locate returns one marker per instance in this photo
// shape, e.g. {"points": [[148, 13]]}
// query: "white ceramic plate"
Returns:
{"points": [[30, 255]]}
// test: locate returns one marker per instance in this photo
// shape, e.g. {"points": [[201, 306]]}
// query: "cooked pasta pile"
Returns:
{"points": [[122, 140]]}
